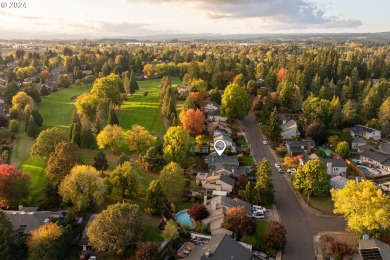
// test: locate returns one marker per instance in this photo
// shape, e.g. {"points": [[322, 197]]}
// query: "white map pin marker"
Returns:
{"points": [[219, 146]]}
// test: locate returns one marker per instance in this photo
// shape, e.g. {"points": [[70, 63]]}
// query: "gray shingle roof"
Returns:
{"points": [[27, 221], [376, 156], [232, 203], [360, 129]]}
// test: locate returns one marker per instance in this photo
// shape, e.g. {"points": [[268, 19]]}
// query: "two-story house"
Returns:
{"points": [[365, 132], [295, 148]]}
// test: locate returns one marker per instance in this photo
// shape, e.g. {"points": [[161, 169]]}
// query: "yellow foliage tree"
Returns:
{"points": [[364, 206], [110, 135], [139, 138], [21, 100], [149, 70], [170, 231]]}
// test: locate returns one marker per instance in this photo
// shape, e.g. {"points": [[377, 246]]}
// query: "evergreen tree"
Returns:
{"points": [[27, 119], [155, 198], [37, 117], [32, 129], [76, 134], [267, 109], [44, 91], [165, 104], [75, 117], [87, 138], [112, 118], [171, 109], [100, 161], [126, 82], [272, 128], [263, 192], [123, 158], [133, 83]]}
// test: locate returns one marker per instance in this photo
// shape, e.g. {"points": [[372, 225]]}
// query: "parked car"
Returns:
{"points": [[265, 142], [277, 165], [256, 207], [260, 255], [280, 170], [292, 170], [92, 258], [258, 215]]}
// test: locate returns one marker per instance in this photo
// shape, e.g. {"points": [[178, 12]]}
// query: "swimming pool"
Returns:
{"points": [[364, 169], [184, 218]]}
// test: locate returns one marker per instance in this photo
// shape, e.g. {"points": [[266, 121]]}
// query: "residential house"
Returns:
{"points": [[12, 65], [357, 142], [218, 183], [295, 148], [228, 140], [230, 170], [211, 108], [218, 126], [84, 238], [183, 92], [376, 157], [338, 182], [215, 161], [27, 219], [220, 247], [334, 166], [365, 132], [372, 249], [289, 130]]}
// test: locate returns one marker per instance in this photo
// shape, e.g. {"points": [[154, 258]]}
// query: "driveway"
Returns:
{"points": [[301, 223]]}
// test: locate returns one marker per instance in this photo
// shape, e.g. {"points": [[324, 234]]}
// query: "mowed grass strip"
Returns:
{"points": [[144, 110]]}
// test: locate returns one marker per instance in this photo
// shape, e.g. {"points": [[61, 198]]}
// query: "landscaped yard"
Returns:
{"points": [[321, 203], [242, 143], [248, 161], [144, 110], [256, 240]]}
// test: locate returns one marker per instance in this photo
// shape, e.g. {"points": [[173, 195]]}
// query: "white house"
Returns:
{"points": [[289, 129], [217, 118], [334, 166], [211, 108], [219, 135], [378, 158], [357, 142], [365, 132]]}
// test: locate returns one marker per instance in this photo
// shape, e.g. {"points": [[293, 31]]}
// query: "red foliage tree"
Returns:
{"points": [[237, 221], [198, 211], [147, 250], [197, 98], [341, 249], [14, 186], [275, 235], [193, 121], [281, 73]]}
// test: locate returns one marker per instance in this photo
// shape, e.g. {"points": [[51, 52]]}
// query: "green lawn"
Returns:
{"points": [[321, 203], [144, 110], [242, 143], [36, 169], [248, 161]]}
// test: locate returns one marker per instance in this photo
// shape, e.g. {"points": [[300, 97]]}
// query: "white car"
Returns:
{"points": [[292, 170], [258, 208], [265, 142], [277, 165], [258, 215]]}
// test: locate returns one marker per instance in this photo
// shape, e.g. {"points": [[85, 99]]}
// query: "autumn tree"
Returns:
{"points": [[83, 187], [235, 102], [125, 179], [61, 161], [46, 142], [384, 116], [238, 222], [177, 145], [87, 104], [49, 241], [275, 235], [138, 138], [14, 186], [110, 135], [198, 211], [63, 81], [170, 231], [215, 95], [21, 100], [197, 98], [365, 207], [155, 198], [5, 237], [112, 234], [108, 89], [149, 70], [193, 121], [133, 85], [100, 161], [148, 250], [199, 84], [343, 149], [312, 178], [172, 180]]}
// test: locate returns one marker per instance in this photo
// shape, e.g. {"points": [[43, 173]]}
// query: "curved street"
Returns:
{"points": [[301, 224]]}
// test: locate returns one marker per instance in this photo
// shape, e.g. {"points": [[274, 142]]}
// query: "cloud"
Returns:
{"points": [[296, 12], [3, 13]]}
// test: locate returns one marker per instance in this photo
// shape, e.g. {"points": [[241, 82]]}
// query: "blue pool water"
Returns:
{"points": [[363, 169], [184, 218]]}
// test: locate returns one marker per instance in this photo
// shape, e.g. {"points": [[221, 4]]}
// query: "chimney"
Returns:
{"points": [[284, 121], [213, 205], [20, 207], [205, 200], [233, 170], [212, 162]]}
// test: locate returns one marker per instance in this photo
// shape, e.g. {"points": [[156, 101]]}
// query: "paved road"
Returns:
{"points": [[301, 224]]}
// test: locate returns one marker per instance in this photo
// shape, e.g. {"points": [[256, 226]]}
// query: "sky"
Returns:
{"points": [[126, 18]]}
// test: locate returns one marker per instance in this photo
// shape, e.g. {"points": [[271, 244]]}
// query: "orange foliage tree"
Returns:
{"points": [[237, 221], [281, 73], [14, 186], [193, 121], [197, 98]]}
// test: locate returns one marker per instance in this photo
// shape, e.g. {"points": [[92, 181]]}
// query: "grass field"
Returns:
{"points": [[257, 239], [144, 110], [322, 203]]}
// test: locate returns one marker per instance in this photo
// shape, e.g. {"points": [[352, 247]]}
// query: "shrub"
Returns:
{"points": [[13, 126], [15, 113], [341, 249], [281, 151], [198, 211]]}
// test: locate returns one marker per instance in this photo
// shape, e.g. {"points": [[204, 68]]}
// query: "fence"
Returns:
{"points": [[355, 169]]}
